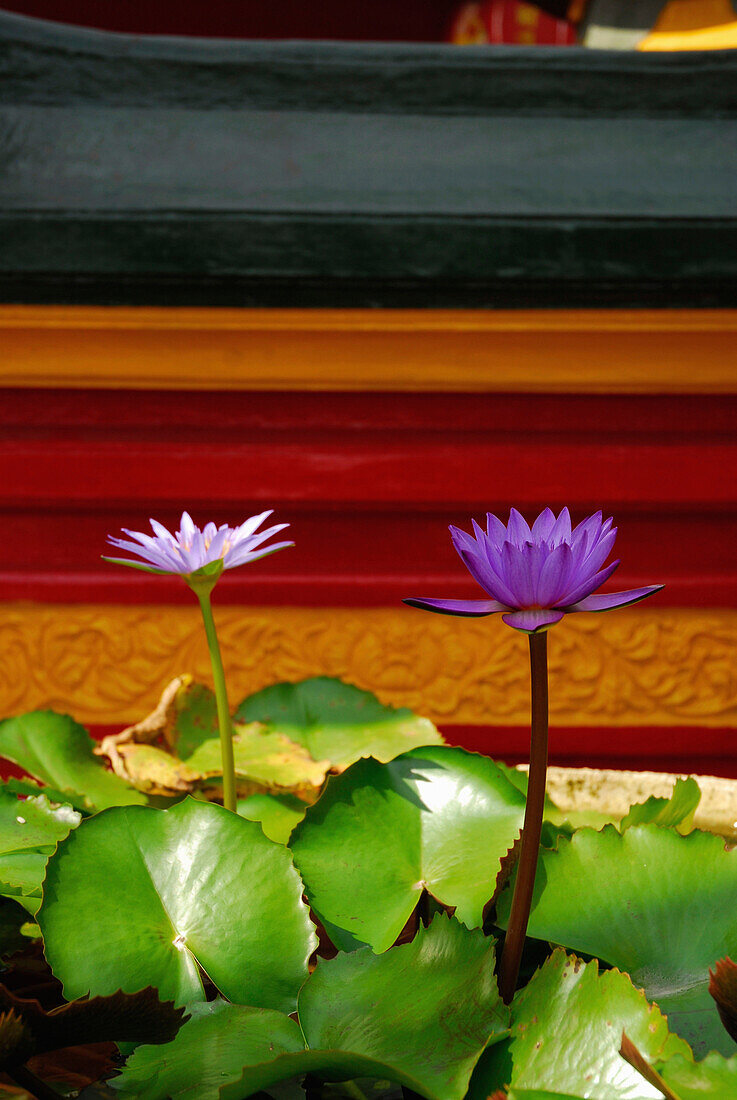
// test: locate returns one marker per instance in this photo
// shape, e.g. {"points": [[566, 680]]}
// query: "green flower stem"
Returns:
{"points": [[221, 698], [532, 828]]}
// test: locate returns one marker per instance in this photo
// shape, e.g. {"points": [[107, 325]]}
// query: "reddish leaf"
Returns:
{"points": [[723, 988], [26, 1029]]}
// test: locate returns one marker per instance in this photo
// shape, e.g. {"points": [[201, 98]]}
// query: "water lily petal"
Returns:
{"points": [[471, 608], [532, 620], [608, 601], [158, 554], [515, 570], [187, 529], [462, 540], [586, 586], [543, 525], [518, 529], [599, 553], [242, 555], [161, 531], [554, 575], [250, 525], [561, 528], [484, 575], [496, 531], [589, 527]]}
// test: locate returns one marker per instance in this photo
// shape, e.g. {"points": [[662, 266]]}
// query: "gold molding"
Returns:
{"points": [[583, 351], [635, 667]]}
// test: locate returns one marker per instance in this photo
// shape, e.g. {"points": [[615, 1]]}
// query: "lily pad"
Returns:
{"points": [[29, 832], [674, 812], [438, 819], [137, 897], [566, 1031], [57, 751], [338, 722], [266, 758], [421, 1015], [715, 1078], [277, 814], [210, 1050], [430, 1006], [651, 902]]}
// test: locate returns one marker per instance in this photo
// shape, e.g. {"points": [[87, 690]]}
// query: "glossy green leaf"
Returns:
{"points": [[436, 818], [277, 814], [429, 1007], [421, 1015], [567, 1026], [338, 722], [715, 1078], [29, 832], [674, 812], [29, 787], [659, 905], [211, 1049], [57, 751], [137, 897]]}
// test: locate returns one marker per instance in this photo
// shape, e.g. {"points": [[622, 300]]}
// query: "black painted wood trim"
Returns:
{"points": [[205, 172]]}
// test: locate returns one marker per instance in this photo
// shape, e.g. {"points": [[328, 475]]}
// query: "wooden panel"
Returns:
{"points": [[549, 351]]}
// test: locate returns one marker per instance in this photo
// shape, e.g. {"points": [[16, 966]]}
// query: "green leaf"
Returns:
{"points": [[57, 751], [436, 818], [338, 722], [567, 1026], [421, 1015], [190, 717], [278, 814], [209, 1051], [25, 787], [651, 902], [428, 1007], [29, 832], [713, 1079], [674, 812], [266, 758], [137, 897]]}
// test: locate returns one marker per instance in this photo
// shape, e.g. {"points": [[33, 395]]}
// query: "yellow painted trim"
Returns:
{"points": [[635, 667], [583, 351], [693, 25]]}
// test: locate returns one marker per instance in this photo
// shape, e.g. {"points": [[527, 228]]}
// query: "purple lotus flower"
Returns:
{"points": [[192, 549], [538, 575]]}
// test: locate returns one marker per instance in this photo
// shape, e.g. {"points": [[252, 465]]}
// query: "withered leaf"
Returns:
{"points": [[26, 1029]]}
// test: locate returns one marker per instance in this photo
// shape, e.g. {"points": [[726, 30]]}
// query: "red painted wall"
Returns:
{"points": [[381, 20], [369, 483]]}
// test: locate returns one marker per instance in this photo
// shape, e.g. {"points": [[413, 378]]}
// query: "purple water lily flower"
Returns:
{"points": [[537, 575], [192, 549]]}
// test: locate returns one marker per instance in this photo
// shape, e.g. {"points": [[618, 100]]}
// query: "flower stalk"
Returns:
{"points": [[221, 698], [532, 828]]}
